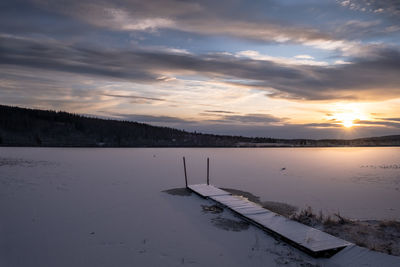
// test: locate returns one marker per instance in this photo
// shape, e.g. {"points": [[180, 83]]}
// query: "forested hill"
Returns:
{"points": [[31, 127]]}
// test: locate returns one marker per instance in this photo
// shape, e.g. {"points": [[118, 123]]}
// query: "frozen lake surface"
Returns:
{"points": [[105, 207]]}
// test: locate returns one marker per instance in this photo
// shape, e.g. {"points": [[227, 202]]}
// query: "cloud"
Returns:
{"points": [[339, 62], [390, 119], [297, 60], [151, 119], [365, 78], [237, 19], [323, 125], [304, 57], [249, 119], [219, 111], [252, 127], [166, 78], [292, 130], [386, 12], [225, 18], [383, 123], [121, 19], [134, 97], [173, 121], [52, 55], [388, 7], [357, 29], [228, 117], [246, 119]]}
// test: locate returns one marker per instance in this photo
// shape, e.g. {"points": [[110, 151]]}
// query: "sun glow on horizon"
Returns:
{"points": [[346, 119], [348, 123], [347, 115]]}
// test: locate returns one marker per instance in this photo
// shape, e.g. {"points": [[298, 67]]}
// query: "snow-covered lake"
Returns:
{"points": [[105, 207]]}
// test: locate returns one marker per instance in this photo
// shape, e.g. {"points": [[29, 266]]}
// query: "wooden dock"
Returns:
{"points": [[310, 240]]}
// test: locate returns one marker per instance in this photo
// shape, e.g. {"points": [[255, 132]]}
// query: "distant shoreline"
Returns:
{"points": [[61, 146], [23, 127]]}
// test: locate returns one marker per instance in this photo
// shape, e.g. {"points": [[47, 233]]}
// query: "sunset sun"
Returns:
{"points": [[348, 122], [347, 115], [347, 119]]}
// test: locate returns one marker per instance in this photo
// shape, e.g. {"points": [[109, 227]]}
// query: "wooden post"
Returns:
{"points": [[208, 171], [184, 168]]}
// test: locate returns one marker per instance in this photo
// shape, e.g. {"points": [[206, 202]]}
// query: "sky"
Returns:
{"points": [[285, 69]]}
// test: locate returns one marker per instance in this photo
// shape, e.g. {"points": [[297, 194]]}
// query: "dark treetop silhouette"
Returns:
{"points": [[32, 127]]}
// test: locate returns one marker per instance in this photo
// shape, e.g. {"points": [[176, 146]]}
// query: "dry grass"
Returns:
{"points": [[390, 224], [382, 236]]}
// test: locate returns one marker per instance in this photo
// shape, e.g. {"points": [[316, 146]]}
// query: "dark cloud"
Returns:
{"points": [[361, 29], [365, 78], [219, 111], [249, 119], [73, 59], [255, 20], [261, 21], [24, 17], [201, 17], [379, 123], [291, 130], [134, 97], [151, 119], [323, 125], [390, 119], [36, 88]]}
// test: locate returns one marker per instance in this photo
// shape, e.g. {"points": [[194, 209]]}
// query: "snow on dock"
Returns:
{"points": [[311, 240], [207, 190]]}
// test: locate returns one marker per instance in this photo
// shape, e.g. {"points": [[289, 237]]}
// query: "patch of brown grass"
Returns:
{"points": [[382, 236], [395, 225]]}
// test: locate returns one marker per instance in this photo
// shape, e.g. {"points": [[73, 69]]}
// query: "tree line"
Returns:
{"points": [[33, 127]]}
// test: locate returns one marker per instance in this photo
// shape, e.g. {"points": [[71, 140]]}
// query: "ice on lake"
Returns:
{"points": [[105, 207]]}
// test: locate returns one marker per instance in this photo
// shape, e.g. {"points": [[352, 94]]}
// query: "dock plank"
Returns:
{"points": [[239, 204], [313, 241], [207, 190], [311, 238]]}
